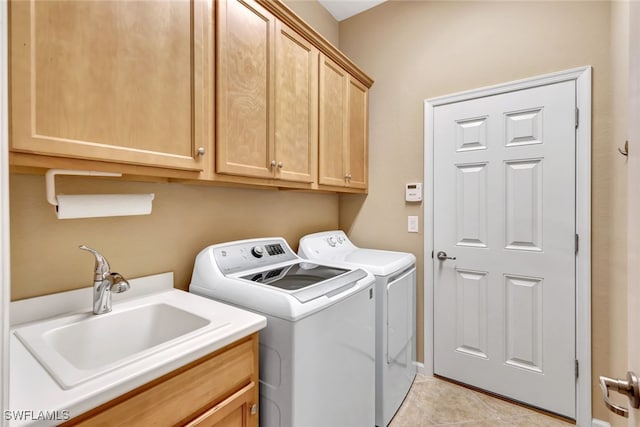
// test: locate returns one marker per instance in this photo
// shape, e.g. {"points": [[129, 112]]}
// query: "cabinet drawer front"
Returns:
{"points": [[235, 411], [177, 398]]}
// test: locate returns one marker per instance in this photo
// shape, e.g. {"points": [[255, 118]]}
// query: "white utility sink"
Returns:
{"points": [[81, 346]]}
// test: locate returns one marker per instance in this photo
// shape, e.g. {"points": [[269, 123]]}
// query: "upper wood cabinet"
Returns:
{"points": [[266, 96], [343, 128], [114, 81], [237, 91]]}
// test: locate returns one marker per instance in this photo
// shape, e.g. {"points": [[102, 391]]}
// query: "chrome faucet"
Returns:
{"points": [[104, 283]]}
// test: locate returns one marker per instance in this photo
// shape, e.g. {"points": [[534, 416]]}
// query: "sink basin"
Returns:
{"points": [[79, 347], [98, 341]]}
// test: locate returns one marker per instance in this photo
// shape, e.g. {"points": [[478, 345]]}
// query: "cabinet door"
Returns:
{"points": [[218, 388], [244, 142], [357, 170], [110, 80], [296, 94], [333, 123]]}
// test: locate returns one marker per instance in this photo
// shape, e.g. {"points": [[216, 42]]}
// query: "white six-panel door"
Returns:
{"points": [[504, 207]]}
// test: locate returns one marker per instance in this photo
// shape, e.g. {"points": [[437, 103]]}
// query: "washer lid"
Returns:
{"points": [[380, 262], [307, 281]]}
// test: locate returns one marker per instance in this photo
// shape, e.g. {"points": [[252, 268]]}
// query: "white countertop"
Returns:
{"points": [[35, 398]]}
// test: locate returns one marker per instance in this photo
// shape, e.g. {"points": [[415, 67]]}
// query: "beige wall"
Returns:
{"points": [[44, 250], [318, 17], [416, 50], [611, 356], [633, 270]]}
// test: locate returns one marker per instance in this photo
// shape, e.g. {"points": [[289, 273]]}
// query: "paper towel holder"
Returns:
{"points": [[101, 205]]}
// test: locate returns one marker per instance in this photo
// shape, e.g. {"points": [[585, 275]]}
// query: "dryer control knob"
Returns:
{"points": [[331, 241], [257, 251]]}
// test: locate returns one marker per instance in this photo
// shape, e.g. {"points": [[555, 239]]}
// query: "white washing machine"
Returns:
{"points": [[317, 352], [395, 274]]}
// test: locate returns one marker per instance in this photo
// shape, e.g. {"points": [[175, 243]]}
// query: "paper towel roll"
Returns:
{"points": [[99, 205]]}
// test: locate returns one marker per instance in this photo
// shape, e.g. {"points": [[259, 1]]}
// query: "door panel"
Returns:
{"points": [[523, 335], [471, 321], [472, 216], [504, 207]]}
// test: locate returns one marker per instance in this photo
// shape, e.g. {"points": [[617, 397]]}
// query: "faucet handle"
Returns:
{"points": [[118, 283], [102, 265]]}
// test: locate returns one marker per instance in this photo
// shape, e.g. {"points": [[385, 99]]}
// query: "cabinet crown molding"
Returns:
{"points": [[288, 16]]}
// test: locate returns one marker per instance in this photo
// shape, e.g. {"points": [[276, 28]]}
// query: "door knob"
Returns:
{"points": [[628, 388], [442, 256]]}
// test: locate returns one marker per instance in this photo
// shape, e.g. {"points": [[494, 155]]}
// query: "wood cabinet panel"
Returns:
{"points": [[358, 115], [332, 125], [131, 92], [267, 96], [343, 128], [218, 388], [245, 34], [296, 114]]}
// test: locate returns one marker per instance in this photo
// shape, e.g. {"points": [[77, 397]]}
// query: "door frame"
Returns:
{"points": [[582, 77]]}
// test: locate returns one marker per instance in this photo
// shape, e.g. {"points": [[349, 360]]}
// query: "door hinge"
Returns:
{"points": [[577, 369], [577, 243], [577, 117]]}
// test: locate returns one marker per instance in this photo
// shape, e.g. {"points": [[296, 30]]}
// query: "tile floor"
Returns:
{"points": [[433, 402]]}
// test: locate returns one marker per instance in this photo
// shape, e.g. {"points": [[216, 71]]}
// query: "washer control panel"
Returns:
{"points": [[331, 245], [335, 240], [249, 254]]}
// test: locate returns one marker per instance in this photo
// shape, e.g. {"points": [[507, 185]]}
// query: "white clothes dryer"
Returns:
{"points": [[317, 351], [395, 274]]}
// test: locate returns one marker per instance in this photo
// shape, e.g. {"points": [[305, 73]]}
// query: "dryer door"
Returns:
{"points": [[401, 315]]}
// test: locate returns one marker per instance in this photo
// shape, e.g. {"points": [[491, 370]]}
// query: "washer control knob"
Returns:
{"points": [[331, 241], [257, 251], [340, 239]]}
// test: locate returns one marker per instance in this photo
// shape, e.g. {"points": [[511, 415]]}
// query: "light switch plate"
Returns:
{"points": [[412, 224]]}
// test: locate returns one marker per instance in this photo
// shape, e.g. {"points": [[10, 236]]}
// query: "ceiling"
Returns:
{"points": [[343, 9]]}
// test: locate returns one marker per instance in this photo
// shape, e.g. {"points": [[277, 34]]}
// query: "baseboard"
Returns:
{"points": [[599, 423]]}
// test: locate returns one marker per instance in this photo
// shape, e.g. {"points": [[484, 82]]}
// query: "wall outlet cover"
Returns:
{"points": [[412, 224]]}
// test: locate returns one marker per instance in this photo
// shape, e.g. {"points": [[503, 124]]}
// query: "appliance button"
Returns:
{"points": [[257, 251]]}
